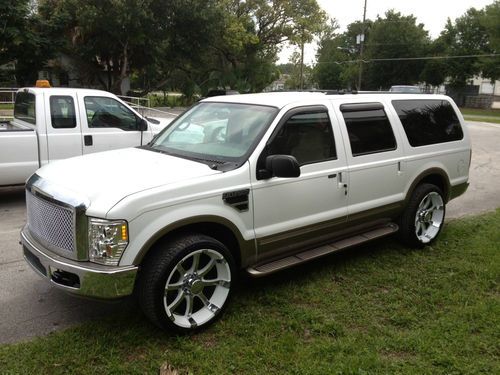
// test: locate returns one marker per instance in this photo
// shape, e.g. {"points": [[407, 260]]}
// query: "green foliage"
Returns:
{"points": [[377, 309], [23, 39], [474, 33], [187, 45], [490, 20], [392, 37]]}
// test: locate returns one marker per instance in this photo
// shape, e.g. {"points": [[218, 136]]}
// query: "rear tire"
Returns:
{"points": [[184, 284], [423, 217]]}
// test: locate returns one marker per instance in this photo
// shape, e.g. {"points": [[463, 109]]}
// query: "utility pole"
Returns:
{"points": [[302, 65], [361, 43]]}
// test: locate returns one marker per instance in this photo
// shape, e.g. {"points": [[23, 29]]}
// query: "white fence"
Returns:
{"points": [[7, 95]]}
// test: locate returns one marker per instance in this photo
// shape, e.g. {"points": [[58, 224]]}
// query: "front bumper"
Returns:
{"points": [[82, 278]]}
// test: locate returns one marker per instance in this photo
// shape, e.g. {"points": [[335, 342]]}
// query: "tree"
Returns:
{"points": [[104, 36], [331, 65], [465, 36], [190, 45], [392, 37], [490, 20], [23, 40]]}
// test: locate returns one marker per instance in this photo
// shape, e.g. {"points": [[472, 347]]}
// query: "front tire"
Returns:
{"points": [[185, 284], [423, 217]]}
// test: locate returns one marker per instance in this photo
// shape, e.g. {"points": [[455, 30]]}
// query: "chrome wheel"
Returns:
{"points": [[197, 288], [429, 217]]}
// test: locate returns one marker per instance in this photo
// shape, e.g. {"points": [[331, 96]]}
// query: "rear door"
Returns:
{"points": [[63, 126], [108, 124], [375, 159]]}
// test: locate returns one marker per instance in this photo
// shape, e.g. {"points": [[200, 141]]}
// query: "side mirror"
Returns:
{"points": [[142, 125], [282, 166]]}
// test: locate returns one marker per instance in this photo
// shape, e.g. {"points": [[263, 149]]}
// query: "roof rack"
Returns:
{"points": [[340, 92]]}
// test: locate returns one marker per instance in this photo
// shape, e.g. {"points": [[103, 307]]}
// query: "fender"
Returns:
{"points": [[246, 248]]}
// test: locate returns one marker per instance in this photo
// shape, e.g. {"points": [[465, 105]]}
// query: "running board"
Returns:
{"points": [[305, 256]]}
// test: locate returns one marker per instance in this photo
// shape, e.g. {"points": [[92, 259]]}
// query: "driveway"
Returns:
{"points": [[31, 307]]}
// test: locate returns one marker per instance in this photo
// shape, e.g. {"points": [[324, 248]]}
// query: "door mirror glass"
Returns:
{"points": [[282, 166], [142, 124]]}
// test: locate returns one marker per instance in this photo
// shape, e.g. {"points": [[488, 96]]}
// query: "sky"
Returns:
{"points": [[432, 13]]}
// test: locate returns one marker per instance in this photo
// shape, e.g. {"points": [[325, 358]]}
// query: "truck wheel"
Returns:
{"points": [[423, 217], [185, 284]]}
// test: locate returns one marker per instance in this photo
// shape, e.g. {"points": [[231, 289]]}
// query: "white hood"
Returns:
{"points": [[108, 177]]}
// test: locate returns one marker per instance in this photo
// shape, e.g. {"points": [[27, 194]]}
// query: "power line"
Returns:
{"points": [[409, 59]]}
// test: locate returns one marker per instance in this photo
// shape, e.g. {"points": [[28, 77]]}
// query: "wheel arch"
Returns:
{"points": [[435, 176], [216, 227]]}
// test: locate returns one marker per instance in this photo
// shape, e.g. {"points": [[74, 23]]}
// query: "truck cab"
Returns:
{"points": [[57, 123]]}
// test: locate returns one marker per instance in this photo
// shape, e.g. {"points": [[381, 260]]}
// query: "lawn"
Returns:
{"points": [[480, 112], [6, 106], [481, 115], [377, 309]]}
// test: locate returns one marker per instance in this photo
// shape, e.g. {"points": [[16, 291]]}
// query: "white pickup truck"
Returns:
{"points": [[57, 123]]}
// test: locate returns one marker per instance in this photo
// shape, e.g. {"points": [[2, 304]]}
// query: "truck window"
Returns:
{"points": [[428, 122], [306, 136], [62, 112], [105, 112], [24, 107], [369, 130]]}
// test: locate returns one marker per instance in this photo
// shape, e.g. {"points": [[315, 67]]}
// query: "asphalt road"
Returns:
{"points": [[30, 307]]}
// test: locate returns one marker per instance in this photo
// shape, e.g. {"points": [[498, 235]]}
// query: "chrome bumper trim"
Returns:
{"points": [[94, 280]]}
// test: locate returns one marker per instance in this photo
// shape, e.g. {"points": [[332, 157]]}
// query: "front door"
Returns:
{"points": [[293, 213], [107, 124]]}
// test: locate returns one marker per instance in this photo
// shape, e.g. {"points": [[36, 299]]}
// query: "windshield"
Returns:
{"points": [[216, 132]]}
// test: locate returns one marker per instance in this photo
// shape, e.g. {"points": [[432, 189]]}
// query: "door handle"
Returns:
{"points": [[341, 183], [87, 140]]}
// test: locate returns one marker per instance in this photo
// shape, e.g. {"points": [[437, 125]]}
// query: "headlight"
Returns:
{"points": [[107, 240]]}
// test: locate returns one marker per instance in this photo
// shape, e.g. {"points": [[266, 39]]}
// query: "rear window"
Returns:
{"points": [[24, 107], [62, 112], [428, 122]]}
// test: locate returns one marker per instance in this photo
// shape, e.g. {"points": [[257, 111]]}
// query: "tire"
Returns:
{"points": [[423, 217], [185, 284]]}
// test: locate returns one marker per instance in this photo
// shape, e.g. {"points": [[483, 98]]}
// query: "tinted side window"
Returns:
{"points": [[427, 122], [105, 112], [369, 131], [24, 108], [62, 112], [307, 136]]}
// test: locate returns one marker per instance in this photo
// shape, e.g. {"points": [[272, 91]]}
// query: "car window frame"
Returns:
{"points": [[367, 106], [319, 108], [137, 118]]}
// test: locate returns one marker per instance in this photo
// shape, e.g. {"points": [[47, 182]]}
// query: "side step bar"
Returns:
{"points": [[302, 257]]}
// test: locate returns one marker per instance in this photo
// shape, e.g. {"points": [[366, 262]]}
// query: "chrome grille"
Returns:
{"points": [[50, 223]]}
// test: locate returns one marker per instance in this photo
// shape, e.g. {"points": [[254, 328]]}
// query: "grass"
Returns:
{"points": [[480, 112], [378, 309], [482, 119], [481, 115], [6, 106]]}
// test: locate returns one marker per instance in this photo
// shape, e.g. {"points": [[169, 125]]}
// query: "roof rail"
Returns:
{"points": [[340, 92]]}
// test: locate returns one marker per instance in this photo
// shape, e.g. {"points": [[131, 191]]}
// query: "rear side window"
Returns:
{"points": [[24, 107], [428, 122], [62, 112], [369, 128]]}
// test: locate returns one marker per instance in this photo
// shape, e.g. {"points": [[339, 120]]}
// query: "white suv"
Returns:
{"points": [[258, 182]]}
